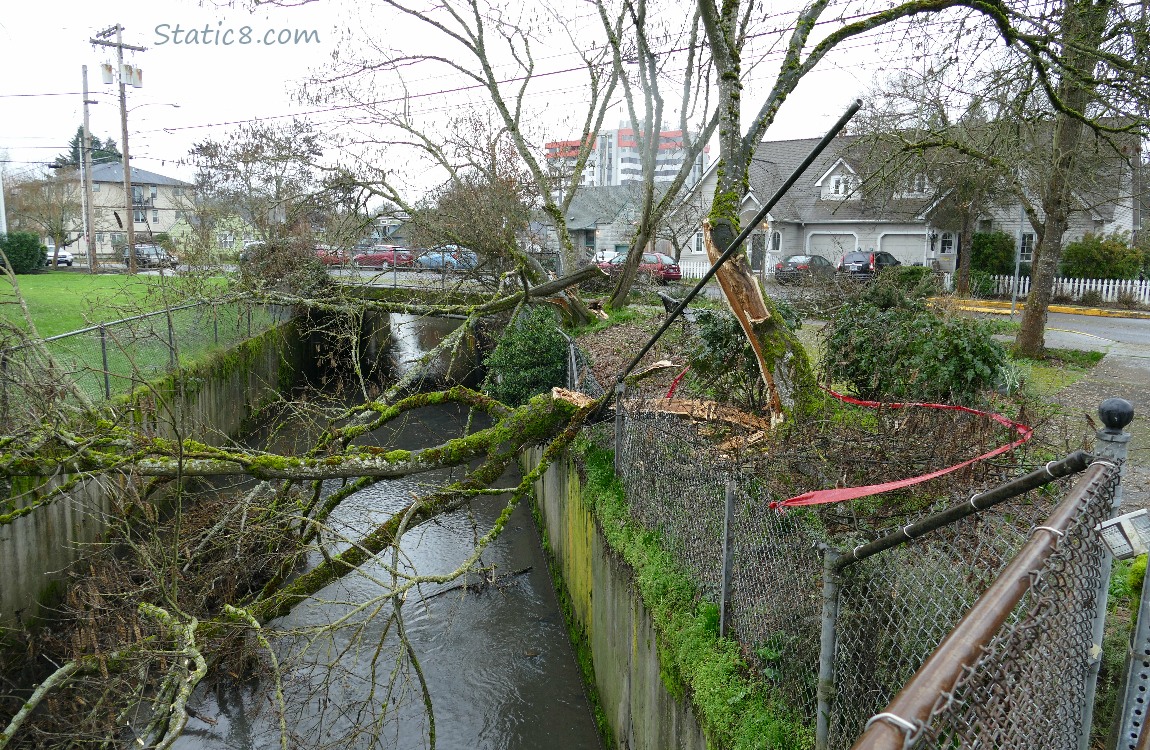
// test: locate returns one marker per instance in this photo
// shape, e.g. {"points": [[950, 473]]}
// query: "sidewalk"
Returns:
{"points": [[1123, 372]]}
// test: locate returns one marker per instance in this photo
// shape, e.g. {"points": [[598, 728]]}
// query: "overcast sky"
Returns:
{"points": [[44, 43]]}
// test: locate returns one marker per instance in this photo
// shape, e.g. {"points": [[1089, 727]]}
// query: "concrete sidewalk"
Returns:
{"points": [[1123, 372]]}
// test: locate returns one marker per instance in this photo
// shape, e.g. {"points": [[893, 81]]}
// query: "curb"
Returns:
{"points": [[1003, 308]]}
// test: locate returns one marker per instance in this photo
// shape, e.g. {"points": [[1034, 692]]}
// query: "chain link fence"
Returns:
{"points": [[1027, 687], [894, 607], [114, 358]]}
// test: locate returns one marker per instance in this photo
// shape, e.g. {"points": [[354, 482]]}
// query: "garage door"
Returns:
{"points": [[832, 246], [908, 248]]}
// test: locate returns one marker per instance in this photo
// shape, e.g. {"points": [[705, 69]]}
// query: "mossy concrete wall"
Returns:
{"points": [[213, 402], [610, 613]]}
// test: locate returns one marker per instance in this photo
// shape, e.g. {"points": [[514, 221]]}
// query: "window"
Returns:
{"points": [[947, 245], [1027, 251]]}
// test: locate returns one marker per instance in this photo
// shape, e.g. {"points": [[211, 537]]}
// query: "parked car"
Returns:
{"points": [[448, 257], [799, 268], [332, 256], [385, 256], [63, 258], [153, 256], [866, 265], [655, 266]]}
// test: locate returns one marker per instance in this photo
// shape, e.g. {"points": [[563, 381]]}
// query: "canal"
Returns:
{"points": [[492, 646]]}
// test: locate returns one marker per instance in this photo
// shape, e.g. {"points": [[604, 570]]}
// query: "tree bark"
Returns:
{"points": [[1083, 24]]}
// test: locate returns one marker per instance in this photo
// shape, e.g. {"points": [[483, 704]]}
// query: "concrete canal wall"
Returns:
{"points": [[619, 629], [213, 402]]}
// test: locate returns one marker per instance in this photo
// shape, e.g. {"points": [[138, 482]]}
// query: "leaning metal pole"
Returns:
{"points": [[743, 235]]}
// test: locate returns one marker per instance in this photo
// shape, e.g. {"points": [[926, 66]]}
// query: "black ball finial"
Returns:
{"points": [[1116, 413]]}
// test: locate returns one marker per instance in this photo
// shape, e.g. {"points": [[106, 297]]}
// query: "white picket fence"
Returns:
{"points": [[1073, 289]]}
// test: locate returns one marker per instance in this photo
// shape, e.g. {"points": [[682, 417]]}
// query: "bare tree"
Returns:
{"points": [[49, 207]]}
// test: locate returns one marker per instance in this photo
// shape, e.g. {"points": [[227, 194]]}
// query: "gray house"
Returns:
{"points": [[603, 219], [829, 211]]}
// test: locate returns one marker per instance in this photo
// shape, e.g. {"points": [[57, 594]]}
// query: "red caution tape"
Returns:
{"points": [[675, 382], [817, 497]]}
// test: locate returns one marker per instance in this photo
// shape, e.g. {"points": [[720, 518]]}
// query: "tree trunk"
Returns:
{"points": [[965, 245], [1082, 27]]}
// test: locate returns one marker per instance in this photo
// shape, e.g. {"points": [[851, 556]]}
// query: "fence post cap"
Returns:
{"points": [[1115, 413]]}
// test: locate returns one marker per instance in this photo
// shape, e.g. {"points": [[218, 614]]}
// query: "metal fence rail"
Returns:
{"points": [[1014, 672]]}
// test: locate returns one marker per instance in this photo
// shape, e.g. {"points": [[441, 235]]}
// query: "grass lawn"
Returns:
{"points": [[61, 301]]}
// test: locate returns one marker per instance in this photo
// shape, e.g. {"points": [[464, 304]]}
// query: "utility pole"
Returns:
{"points": [[101, 40], [86, 178], [3, 214]]}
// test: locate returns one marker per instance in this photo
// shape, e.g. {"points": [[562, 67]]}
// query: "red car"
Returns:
{"points": [[385, 256], [331, 256], [660, 268]]}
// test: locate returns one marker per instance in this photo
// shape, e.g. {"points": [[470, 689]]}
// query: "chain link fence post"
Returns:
{"points": [[828, 641], [172, 359], [4, 386], [1113, 445], [104, 360], [728, 558], [620, 387]]}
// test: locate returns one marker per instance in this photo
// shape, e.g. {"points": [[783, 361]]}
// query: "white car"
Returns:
{"points": [[64, 258]]}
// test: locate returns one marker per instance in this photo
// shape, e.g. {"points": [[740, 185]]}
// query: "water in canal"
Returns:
{"points": [[499, 667]]}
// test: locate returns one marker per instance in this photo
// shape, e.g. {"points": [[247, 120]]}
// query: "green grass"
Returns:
{"points": [[1057, 370], [130, 353], [61, 302]]}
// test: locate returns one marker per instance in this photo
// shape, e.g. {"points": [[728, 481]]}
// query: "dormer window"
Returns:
{"points": [[838, 183]]}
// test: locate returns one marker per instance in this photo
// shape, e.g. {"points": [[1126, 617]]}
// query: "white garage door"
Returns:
{"points": [[832, 246], [908, 248]]}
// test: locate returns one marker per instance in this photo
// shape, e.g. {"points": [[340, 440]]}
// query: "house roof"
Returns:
{"points": [[595, 206], [114, 172], [774, 161]]}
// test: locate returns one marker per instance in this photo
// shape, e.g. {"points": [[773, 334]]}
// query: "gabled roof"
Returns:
{"points": [[833, 169], [774, 161], [595, 206], [114, 172]]}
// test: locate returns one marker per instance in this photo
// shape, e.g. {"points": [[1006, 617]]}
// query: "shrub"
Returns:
{"points": [[911, 353], [530, 358], [1102, 257], [722, 359], [1091, 298], [24, 251], [993, 253], [981, 284]]}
